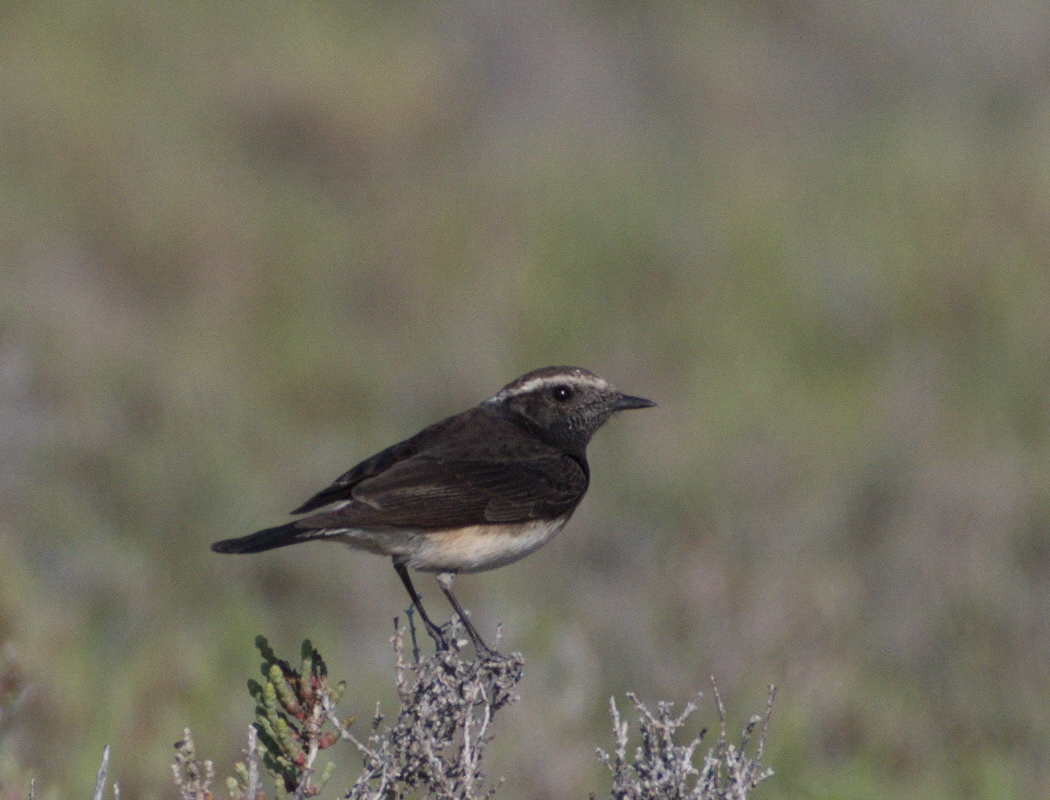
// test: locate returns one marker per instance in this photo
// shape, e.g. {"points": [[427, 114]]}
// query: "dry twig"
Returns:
{"points": [[664, 770]]}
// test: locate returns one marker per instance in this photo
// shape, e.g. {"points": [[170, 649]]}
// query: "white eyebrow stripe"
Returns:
{"points": [[571, 379]]}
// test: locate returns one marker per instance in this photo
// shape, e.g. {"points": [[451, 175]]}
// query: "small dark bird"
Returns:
{"points": [[475, 491]]}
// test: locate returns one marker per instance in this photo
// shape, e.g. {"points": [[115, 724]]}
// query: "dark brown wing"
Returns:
{"points": [[428, 491], [425, 492], [470, 469], [342, 487]]}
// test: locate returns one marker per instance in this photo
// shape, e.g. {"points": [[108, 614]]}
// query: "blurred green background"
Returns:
{"points": [[245, 245]]}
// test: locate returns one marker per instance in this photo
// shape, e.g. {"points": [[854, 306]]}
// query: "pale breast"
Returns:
{"points": [[470, 549], [480, 547]]}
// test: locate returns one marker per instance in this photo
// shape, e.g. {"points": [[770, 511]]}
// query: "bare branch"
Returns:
{"points": [[100, 779]]}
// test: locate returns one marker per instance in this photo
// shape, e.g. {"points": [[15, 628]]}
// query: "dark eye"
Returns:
{"points": [[561, 393]]}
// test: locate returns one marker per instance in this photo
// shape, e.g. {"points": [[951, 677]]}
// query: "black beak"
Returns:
{"points": [[626, 401]]}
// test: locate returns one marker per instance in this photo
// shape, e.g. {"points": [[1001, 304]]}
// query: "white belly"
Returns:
{"points": [[470, 549]]}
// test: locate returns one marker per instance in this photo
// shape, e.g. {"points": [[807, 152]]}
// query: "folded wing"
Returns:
{"points": [[429, 492]]}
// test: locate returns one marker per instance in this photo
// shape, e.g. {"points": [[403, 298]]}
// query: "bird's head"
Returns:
{"points": [[563, 405]]}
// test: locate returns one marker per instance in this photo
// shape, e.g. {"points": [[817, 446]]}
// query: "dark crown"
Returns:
{"points": [[563, 405]]}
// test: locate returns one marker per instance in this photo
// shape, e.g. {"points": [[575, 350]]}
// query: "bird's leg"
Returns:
{"points": [[432, 629], [444, 580]]}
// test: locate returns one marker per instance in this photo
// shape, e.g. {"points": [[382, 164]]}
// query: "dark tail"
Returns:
{"points": [[268, 539]]}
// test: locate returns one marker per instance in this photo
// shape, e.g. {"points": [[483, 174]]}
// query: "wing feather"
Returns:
{"points": [[433, 481], [342, 488], [427, 492]]}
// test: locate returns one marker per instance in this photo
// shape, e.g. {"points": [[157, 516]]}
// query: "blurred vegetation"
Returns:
{"points": [[243, 246]]}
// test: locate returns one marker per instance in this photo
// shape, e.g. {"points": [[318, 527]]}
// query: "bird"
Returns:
{"points": [[473, 492]]}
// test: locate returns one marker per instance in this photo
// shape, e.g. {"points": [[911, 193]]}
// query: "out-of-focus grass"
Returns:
{"points": [[244, 247]]}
